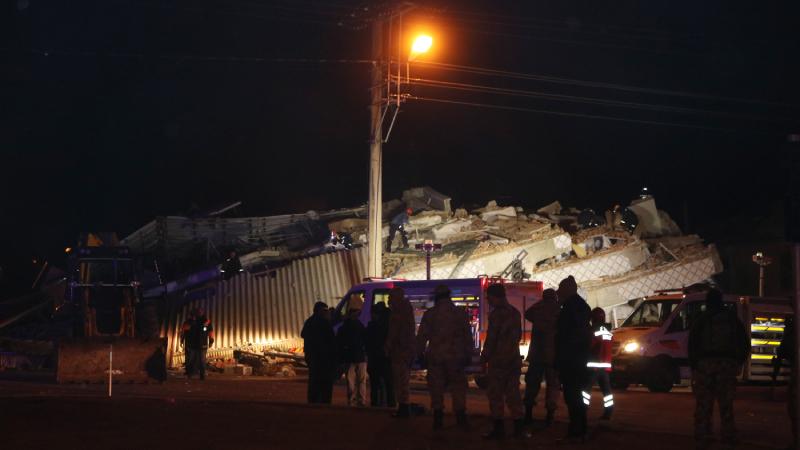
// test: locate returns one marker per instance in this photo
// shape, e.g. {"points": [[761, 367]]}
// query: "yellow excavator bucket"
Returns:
{"points": [[130, 360]]}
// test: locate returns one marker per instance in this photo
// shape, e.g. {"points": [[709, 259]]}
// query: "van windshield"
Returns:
{"points": [[651, 313]]}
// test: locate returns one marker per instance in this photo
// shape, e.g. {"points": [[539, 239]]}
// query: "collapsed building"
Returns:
{"points": [[258, 277]]}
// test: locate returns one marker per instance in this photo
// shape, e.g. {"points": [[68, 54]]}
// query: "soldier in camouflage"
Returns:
{"points": [[718, 348], [445, 340], [501, 355], [399, 347]]}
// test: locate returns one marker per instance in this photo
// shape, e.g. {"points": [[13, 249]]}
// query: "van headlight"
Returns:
{"points": [[631, 347]]}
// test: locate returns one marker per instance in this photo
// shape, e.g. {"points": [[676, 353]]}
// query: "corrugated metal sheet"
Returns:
{"points": [[258, 311]]}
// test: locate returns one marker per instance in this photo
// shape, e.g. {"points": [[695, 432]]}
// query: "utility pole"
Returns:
{"points": [[375, 203]]}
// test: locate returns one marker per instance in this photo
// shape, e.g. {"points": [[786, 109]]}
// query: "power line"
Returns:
{"points": [[597, 84], [85, 53], [581, 115], [579, 99]]}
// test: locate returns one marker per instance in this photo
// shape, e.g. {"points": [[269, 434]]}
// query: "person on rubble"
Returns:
{"points": [[378, 366], [198, 336], [599, 364], [504, 363], [398, 223], [541, 356], [400, 348], [444, 341], [718, 347], [573, 339], [351, 343], [319, 348]]}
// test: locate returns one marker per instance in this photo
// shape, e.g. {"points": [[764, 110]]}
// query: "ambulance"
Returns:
{"points": [[651, 346], [467, 293]]}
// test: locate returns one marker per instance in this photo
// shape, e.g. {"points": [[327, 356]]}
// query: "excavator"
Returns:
{"points": [[115, 336]]}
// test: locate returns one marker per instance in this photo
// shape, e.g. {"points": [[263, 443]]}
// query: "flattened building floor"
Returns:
{"points": [[261, 413]]}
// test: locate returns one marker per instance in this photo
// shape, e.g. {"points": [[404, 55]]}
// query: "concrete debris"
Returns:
{"points": [[426, 198], [491, 215], [549, 210]]}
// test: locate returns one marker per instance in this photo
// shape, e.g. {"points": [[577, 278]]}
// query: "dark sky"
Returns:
{"points": [[124, 110]]}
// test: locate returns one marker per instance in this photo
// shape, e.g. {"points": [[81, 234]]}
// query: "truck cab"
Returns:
{"points": [[651, 346], [469, 293]]}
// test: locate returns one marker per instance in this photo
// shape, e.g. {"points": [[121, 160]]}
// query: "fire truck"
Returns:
{"points": [[651, 346], [468, 293]]}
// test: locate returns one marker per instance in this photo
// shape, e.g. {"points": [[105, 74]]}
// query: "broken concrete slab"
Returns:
{"points": [[508, 211], [425, 197]]}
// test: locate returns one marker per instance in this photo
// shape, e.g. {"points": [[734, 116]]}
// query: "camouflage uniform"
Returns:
{"points": [[718, 346], [400, 347], [445, 337], [501, 353], [714, 379]]}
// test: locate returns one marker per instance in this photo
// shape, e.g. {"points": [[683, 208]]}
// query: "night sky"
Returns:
{"points": [[124, 110]]}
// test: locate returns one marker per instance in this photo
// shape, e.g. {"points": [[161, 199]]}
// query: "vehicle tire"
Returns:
{"points": [[661, 375], [619, 383]]}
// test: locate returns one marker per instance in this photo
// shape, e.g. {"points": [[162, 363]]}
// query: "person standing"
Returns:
{"points": [[541, 356], [445, 339], [786, 352], [718, 347], [320, 354], [378, 370], [573, 338], [198, 337], [352, 353], [399, 347], [398, 223], [599, 364], [501, 355]]}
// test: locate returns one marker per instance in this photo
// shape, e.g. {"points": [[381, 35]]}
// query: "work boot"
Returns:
{"points": [[528, 415], [607, 414], [461, 420], [402, 411], [498, 431], [520, 432], [438, 419], [551, 414]]}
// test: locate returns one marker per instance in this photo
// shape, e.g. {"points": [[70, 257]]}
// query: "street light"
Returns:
{"points": [[421, 45]]}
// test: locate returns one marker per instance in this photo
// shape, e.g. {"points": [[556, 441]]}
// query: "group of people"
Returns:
{"points": [[383, 350], [197, 335]]}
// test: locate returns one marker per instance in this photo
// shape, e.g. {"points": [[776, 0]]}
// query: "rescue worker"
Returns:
{"points": [[718, 347], [445, 339], [501, 355], [786, 352], [198, 336], [573, 338], [320, 354], [352, 353], [378, 369], [541, 356], [400, 347], [599, 364], [398, 223]]}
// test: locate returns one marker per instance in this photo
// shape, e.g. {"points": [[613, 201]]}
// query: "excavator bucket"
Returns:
{"points": [[130, 360]]}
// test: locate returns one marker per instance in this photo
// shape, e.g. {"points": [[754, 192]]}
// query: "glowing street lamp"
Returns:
{"points": [[421, 45]]}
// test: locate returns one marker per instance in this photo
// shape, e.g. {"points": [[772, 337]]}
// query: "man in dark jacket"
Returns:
{"points": [[397, 224], [320, 353], [718, 347], [786, 352], [378, 366], [351, 341], [541, 355], [573, 340], [198, 336]]}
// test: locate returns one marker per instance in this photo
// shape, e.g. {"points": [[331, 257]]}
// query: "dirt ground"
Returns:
{"points": [[261, 413]]}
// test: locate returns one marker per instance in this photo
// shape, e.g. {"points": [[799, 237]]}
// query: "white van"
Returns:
{"points": [[651, 346]]}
